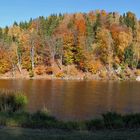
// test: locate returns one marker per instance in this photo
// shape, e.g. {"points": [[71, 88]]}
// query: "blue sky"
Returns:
{"points": [[20, 10]]}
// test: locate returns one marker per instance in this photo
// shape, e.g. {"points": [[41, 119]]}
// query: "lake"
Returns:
{"points": [[78, 100]]}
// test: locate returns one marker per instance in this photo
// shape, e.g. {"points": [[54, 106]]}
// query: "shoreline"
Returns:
{"points": [[68, 78], [126, 75], [25, 75]]}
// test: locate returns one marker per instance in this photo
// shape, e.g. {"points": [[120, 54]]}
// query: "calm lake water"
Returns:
{"points": [[78, 100]]}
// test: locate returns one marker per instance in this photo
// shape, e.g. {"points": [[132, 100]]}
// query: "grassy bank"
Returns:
{"points": [[30, 134], [41, 120], [110, 129]]}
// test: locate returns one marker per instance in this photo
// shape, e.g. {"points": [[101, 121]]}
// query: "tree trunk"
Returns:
{"points": [[19, 61], [32, 56]]}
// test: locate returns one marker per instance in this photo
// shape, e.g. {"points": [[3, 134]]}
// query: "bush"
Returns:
{"points": [[42, 116], [31, 73], [137, 72], [113, 120], [73, 71], [103, 74], [43, 120], [49, 70], [20, 101], [14, 119], [127, 72], [132, 120], [40, 70], [70, 125], [94, 67], [95, 124], [12, 101], [60, 75]]}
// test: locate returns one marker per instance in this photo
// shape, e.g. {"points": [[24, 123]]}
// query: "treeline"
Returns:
{"points": [[91, 42]]}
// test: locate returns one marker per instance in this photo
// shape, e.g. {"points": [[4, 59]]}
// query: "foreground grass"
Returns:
{"points": [[34, 134]]}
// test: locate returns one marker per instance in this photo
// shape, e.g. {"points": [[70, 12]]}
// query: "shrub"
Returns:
{"points": [[103, 74], [122, 76], [31, 73], [12, 101], [137, 72], [60, 75], [40, 70], [43, 120], [14, 119], [113, 120], [42, 116], [73, 71], [128, 72], [71, 126], [20, 101], [132, 120], [49, 70], [94, 67], [95, 124]]}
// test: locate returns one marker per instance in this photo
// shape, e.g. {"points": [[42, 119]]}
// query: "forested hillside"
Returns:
{"points": [[95, 44]]}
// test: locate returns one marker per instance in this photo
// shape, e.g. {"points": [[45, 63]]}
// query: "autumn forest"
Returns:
{"points": [[97, 45]]}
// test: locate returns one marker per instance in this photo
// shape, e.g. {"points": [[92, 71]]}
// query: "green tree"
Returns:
{"points": [[129, 56]]}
